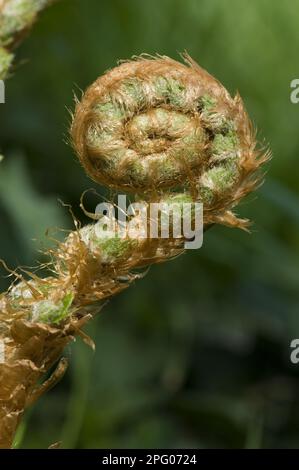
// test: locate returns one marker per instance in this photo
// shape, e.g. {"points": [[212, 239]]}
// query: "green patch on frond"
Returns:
{"points": [[50, 312]]}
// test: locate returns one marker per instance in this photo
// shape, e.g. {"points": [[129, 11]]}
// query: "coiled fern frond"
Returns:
{"points": [[154, 126], [157, 129]]}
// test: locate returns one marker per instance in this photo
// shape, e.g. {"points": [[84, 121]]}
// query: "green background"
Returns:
{"points": [[197, 353]]}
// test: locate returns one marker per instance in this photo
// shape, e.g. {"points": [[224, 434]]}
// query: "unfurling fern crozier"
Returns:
{"points": [[161, 131]]}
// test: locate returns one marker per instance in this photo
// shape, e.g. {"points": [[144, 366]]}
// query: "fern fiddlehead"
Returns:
{"points": [[159, 130], [154, 126]]}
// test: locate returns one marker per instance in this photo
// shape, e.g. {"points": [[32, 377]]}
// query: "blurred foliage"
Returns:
{"points": [[196, 354]]}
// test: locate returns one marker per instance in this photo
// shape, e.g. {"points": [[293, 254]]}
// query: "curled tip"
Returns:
{"points": [[155, 125]]}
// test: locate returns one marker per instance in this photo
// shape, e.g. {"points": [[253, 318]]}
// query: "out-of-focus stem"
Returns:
{"points": [[16, 18]]}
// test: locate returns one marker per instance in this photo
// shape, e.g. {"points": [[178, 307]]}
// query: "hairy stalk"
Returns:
{"points": [[162, 131], [16, 18]]}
